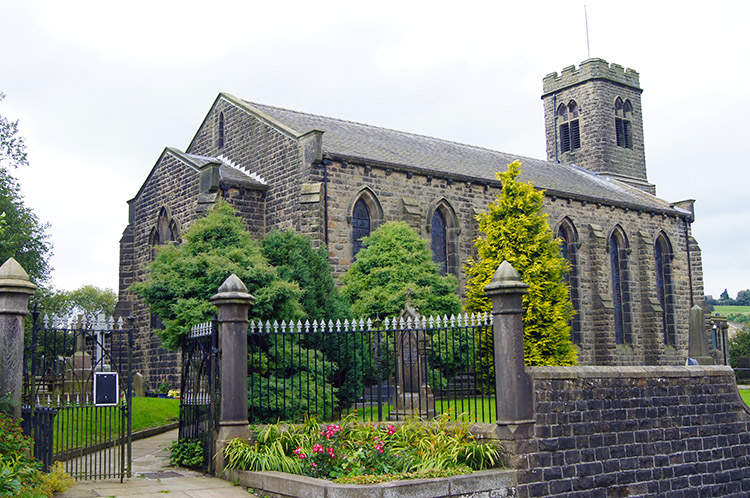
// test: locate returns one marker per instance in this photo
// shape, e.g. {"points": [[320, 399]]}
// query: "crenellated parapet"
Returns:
{"points": [[590, 69]]}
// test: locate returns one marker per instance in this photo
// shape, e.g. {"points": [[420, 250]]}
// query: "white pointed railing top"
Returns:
{"points": [[357, 325]]}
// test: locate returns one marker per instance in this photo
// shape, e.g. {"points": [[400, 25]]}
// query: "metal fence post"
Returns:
{"points": [[513, 389], [233, 302], [15, 290]]}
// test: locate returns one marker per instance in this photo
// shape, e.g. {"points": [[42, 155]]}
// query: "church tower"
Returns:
{"points": [[593, 119]]}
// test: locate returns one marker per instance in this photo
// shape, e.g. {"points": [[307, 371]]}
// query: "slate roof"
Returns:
{"points": [[352, 140]]}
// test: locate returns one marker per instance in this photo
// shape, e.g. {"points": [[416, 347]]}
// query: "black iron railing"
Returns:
{"points": [[385, 370], [200, 390], [77, 394]]}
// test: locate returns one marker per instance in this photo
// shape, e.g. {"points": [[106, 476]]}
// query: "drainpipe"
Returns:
{"points": [[690, 261], [554, 123], [325, 163]]}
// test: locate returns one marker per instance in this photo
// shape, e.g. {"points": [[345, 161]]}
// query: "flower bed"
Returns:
{"points": [[352, 448]]}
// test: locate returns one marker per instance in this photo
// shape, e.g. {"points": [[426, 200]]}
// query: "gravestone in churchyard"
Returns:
{"points": [[413, 395], [138, 385], [78, 377], [697, 344]]}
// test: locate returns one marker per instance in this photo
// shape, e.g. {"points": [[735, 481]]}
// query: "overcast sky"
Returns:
{"points": [[101, 88]]}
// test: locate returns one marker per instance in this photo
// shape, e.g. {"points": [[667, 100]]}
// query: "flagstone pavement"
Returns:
{"points": [[154, 477]]}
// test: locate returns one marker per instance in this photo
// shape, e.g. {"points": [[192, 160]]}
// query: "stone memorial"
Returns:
{"points": [[138, 389], [698, 346], [413, 395]]}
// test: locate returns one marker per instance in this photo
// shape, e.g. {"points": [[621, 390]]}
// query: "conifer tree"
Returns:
{"points": [[395, 264], [516, 229]]}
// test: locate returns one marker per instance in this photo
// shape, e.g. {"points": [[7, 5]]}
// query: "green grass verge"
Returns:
{"points": [[480, 409], [725, 310], [745, 393], [154, 412]]}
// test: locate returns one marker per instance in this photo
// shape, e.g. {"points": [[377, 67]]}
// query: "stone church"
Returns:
{"points": [[636, 269]]}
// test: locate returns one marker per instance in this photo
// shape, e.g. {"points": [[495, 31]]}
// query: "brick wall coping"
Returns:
{"points": [[494, 482], [598, 372]]}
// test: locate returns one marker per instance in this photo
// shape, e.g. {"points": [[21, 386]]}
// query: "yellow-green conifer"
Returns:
{"points": [[516, 229]]}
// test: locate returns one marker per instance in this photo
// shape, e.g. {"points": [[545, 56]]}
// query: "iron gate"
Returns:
{"points": [[77, 394], [199, 388]]}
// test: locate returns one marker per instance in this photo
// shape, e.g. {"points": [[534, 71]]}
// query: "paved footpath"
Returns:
{"points": [[153, 477]]}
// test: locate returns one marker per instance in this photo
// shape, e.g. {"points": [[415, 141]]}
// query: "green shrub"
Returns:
{"points": [[21, 476], [186, 453]]}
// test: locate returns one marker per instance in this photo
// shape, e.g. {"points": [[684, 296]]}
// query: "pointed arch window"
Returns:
{"points": [[220, 137], [618, 267], [664, 289], [570, 130], [439, 241], [361, 224], [569, 248], [623, 126]]}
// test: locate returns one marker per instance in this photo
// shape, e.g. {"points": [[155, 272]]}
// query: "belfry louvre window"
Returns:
{"points": [[570, 130], [623, 126]]}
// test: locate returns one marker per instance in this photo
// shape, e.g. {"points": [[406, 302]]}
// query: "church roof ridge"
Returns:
{"points": [[351, 140]]}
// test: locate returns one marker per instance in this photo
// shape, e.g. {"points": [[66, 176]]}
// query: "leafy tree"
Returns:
{"points": [[182, 278], [22, 235], [516, 229], [87, 300], [12, 145], [725, 300], [395, 263], [743, 298], [295, 260], [739, 346], [393, 266]]}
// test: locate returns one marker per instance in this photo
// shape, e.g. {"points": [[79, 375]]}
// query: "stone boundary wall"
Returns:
{"points": [[494, 483], [635, 431]]}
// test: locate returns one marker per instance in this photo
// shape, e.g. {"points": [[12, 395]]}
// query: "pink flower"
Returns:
{"points": [[331, 453], [379, 448], [313, 464], [391, 430], [318, 448]]}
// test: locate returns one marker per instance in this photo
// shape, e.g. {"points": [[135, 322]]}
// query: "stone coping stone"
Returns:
{"points": [[593, 372], [485, 483]]}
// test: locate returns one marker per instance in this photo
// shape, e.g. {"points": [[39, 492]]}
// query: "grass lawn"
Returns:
{"points": [[480, 409], [745, 393], [154, 412], [86, 426], [725, 310]]}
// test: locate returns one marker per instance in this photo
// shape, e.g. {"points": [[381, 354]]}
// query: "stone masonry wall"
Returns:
{"points": [[636, 431], [595, 86], [173, 186], [411, 197], [255, 146]]}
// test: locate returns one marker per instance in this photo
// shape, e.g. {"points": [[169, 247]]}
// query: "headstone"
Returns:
{"points": [[78, 377], [413, 395], [138, 389], [697, 345]]}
